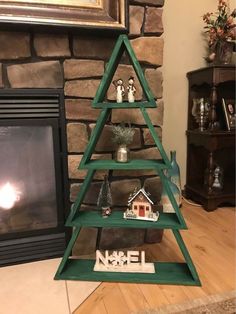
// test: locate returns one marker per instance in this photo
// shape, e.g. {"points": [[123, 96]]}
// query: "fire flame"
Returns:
{"points": [[8, 196]]}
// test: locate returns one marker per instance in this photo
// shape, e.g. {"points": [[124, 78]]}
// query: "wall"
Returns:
{"points": [[184, 51]]}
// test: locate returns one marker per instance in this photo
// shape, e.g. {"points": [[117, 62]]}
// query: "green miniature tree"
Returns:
{"points": [[104, 201]]}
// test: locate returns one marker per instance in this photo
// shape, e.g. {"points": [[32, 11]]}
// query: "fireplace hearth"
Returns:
{"points": [[33, 175]]}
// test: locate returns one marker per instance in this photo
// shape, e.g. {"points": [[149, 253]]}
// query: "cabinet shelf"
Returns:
{"points": [[165, 273], [227, 191], [134, 164], [116, 220]]}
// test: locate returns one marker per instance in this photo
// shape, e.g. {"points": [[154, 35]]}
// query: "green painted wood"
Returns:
{"points": [[109, 72], [126, 105], [95, 136], [186, 254], [171, 197], [68, 251], [116, 220], [131, 165], [166, 273], [122, 45], [81, 195], [155, 137]]}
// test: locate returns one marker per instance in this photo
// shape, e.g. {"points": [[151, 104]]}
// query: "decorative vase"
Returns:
{"points": [[122, 153], [174, 172], [224, 51], [166, 203], [173, 176]]}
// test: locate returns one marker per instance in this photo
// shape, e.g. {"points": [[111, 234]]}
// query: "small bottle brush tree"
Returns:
{"points": [[122, 136], [104, 201]]}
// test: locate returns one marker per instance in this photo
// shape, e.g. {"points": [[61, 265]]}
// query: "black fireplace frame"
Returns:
{"points": [[48, 109]]}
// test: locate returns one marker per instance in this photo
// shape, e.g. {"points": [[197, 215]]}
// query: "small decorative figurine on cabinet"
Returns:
{"points": [[104, 201], [140, 207], [218, 178], [120, 90], [131, 90]]}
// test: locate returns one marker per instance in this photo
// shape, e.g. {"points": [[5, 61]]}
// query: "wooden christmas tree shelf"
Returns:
{"points": [[165, 272], [116, 220]]}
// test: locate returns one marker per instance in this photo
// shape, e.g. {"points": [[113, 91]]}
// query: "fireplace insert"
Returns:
{"points": [[33, 175]]}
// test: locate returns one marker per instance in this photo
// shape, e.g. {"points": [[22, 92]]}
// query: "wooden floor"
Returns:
{"points": [[210, 240]]}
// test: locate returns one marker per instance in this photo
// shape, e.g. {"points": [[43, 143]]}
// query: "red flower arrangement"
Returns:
{"points": [[220, 27]]}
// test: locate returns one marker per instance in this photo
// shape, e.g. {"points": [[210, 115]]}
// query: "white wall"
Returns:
{"points": [[184, 50]]}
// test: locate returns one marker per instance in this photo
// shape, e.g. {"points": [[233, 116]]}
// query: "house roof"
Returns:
{"points": [[140, 191]]}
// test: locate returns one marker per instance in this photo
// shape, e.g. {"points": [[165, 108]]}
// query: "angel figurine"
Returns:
{"points": [[120, 90], [131, 90]]}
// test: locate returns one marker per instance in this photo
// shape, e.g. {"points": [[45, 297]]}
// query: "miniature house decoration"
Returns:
{"points": [[140, 206]]}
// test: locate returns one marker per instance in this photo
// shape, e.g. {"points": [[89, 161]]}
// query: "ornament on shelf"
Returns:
{"points": [[123, 136], [200, 111], [131, 90], [104, 201], [218, 178], [120, 90], [140, 207], [119, 261]]}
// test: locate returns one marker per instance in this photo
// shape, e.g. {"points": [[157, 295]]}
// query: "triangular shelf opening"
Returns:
{"points": [[94, 218], [165, 272], [88, 163], [122, 45]]}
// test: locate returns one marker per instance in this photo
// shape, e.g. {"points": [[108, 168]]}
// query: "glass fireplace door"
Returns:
{"points": [[29, 170]]}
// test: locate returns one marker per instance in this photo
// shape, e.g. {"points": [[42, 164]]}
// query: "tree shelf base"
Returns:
{"points": [[165, 273]]}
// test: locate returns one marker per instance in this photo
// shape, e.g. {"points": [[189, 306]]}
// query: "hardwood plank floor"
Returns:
{"points": [[210, 240]]}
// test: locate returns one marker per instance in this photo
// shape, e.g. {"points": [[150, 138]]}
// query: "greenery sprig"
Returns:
{"points": [[122, 135]]}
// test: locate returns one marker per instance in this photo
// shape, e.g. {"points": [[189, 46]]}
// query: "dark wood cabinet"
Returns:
{"points": [[214, 146]]}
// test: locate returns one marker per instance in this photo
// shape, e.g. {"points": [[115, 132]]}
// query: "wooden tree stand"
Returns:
{"points": [[165, 272]]}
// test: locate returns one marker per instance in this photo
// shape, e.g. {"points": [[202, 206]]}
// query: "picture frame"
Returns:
{"points": [[229, 113], [76, 14]]}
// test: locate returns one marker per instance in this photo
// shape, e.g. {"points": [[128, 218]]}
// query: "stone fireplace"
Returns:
{"points": [[73, 64]]}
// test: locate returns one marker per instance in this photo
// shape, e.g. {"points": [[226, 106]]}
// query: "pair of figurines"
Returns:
{"points": [[120, 90]]}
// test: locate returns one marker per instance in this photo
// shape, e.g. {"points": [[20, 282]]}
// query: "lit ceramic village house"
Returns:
{"points": [[140, 207]]}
